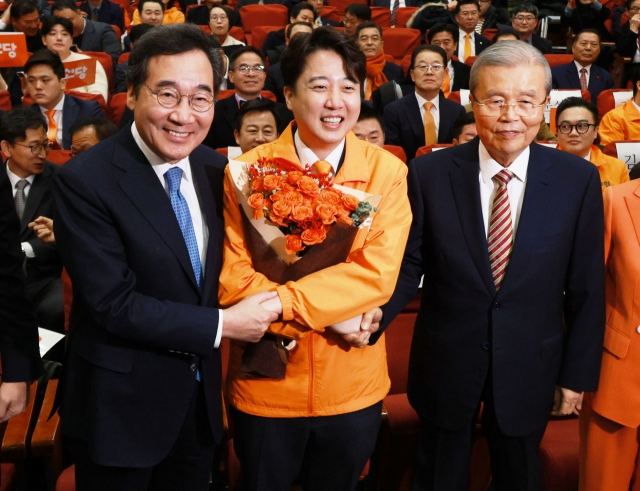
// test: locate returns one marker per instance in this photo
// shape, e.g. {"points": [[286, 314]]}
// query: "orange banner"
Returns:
{"points": [[80, 73], [13, 49]]}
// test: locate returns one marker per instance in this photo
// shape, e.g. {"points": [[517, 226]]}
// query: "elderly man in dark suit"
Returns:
{"points": [[407, 121], [582, 73], [138, 221], [509, 237]]}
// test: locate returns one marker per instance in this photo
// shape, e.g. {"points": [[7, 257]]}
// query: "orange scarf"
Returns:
{"points": [[375, 77]]}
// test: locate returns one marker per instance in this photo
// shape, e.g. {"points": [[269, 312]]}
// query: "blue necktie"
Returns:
{"points": [[181, 209], [96, 14]]}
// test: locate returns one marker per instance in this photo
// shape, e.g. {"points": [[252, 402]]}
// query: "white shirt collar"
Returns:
{"points": [[84, 26], [307, 156], [588, 156], [435, 101], [14, 178], [580, 67], [489, 167], [58, 107]]}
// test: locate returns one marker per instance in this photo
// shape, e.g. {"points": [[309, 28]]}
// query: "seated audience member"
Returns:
{"points": [[464, 129], [577, 123], [219, 25], [369, 126], [88, 35], [200, 15], [354, 15], [491, 17], [170, 14], [275, 81], [623, 122], [587, 14], [23, 135], [150, 12], [24, 17], [56, 36], [425, 117], [85, 133], [582, 73], [275, 43], [524, 20], [379, 70], [45, 83], [321, 21], [121, 69], [257, 122], [104, 11], [457, 76], [626, 36], [505, 35], [247, 73], [470, 43]]}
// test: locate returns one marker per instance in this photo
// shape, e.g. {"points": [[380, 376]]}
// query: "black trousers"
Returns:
{"points": [[444, 456], [46, 295], [322, 453], [186, 468]]}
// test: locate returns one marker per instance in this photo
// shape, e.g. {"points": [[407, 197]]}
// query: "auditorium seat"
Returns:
{"points": [[469, 60], [381, 16], [224, 94], [490, 32], [117, 106], [331, 13], [611, 98], [5, 101], [559, 454], [397, 151], [627, 151], [237, 33], [557, 60], [59, 157], [341, 5], [124, 57], [432, 148], [403, 14], [400, 41], [107, 63], [263, 15], [259, 35]]}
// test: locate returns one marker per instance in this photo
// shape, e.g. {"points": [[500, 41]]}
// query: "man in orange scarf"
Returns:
{"points": [[379, 70]]}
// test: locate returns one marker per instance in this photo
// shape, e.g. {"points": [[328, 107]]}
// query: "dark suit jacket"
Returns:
{"points": [[461, 74], [626, 40], [567, 77], [224, 122], [328, 22], [403, 124], [389, 3], [494, 18], [275, 82], [120, 79], [109, 13], [555, 277], [98, 36], [18, 326], [135, 299], [541, 44], [393, 71], [481, 42]]}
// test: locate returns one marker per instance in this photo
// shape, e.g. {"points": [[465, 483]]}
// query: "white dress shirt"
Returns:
{"points": [[488, 187], [306, 155], [452, 74], [189, 191], [587, 68], [13, 179], [57, 117], [462, 39], [435, 110]]}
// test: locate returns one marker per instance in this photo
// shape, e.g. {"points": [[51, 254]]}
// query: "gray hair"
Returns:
{"points": [[510, 54]]}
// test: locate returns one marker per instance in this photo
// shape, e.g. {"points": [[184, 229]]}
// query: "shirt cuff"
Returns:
{"points": [[287, 302], [216, 345], [28, 250]]}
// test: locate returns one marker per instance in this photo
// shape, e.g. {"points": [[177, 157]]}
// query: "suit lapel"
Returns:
{"points": [[36, 194], [69, 115], [414, 118], [466, 193], [633, 205]]}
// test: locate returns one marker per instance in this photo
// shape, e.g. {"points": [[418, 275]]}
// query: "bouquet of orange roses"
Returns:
{"points": [[296, 222]]}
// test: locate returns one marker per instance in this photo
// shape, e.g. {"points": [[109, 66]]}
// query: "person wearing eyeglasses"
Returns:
{"points": [[509, 237], [426, 116], [25, 143], [138, 221], [577, 123], [247, 73], [626, 36], [470, 43], [524, 20]]}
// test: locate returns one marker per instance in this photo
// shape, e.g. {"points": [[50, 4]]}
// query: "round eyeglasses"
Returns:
{"points": [[581, 128], [169, 97]]}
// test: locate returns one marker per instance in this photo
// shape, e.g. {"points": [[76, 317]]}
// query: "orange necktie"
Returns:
{"points": [[53, 127], [467, 46], [429, 125], [446, 85], [323, 167]]}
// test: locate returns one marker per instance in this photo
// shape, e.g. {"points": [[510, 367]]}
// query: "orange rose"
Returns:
{"points": [[271, 182], [301, 213], [331, 196], [308, 186], [294, 244], [256, 201], [294, 176], [288, 187], [313, 236], [350, 202], [294, 197], [277, 196], [256, 185], [281, 208], [326, 213]]}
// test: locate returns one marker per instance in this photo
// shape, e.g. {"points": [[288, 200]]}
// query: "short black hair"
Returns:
{"points": [[15, 123], [634, 76], [570, 102], [294, 58], [298, 23], [628, 4], [585, 31], [461, 122], [51, 21], [466, 2], [64, 4], [428, 47], [368, 25], [46, 57], [359, 10], [442, 27], [508, 31], [257, 106], [22, 7], [525, 7], [242, 50], [295, 11], [172, 39], [103, 126], [367, 112], [225, 9], [142, 2], [138, 31]]}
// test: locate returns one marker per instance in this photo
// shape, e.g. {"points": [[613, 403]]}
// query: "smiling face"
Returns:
{"points": [[218, 22], [524, 23], [22, 161], [152, 14], [248, 84], [574, 142], [257, 128], [326, 103], [506, 135], [27, 23], [173, 133], [370, 41], [586, 48], [58, 40], [369, 130]]}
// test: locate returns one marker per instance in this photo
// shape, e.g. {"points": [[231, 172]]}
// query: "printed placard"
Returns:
{"points": [[13, 49], [464, 96], [619, 98], [555, 98], [629, 153], [80, 73]]}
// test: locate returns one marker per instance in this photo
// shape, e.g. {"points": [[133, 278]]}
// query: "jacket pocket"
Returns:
{"points": [[615, 342], [109, 357]]}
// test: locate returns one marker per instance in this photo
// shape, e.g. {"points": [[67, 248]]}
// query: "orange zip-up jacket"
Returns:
{"points": [[612, 171], [325, 375]]}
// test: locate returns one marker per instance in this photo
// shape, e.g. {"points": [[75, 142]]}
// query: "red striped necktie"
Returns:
{"points": [[500, 237]]}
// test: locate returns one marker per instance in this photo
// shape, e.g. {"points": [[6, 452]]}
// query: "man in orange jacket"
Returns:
{"points": [[623, 123]]}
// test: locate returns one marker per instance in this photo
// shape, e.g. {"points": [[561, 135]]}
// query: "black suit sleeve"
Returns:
{"points": [[18, 325], [110, 43], [391, 126], [626, 41]]}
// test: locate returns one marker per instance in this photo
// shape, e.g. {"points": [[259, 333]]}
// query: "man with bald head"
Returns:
{"points": [[509, 237]]}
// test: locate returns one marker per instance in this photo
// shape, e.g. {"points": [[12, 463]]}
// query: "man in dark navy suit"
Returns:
{"points": [[524, 20], [138, 221], [509, 237], [45, 83], [582, 71], [470, 43], [404, 119], [104, 11]]}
